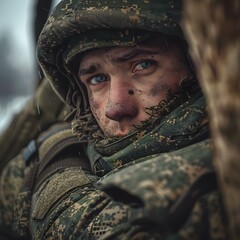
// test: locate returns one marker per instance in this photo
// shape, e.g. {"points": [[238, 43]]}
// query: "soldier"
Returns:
{"points": [[138, 164]]}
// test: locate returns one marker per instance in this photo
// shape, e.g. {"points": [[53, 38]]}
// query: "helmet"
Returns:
{"points": [[79, 25]]}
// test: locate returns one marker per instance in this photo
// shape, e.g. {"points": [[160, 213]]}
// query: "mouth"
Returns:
{"points": [[116, 129], [121, 133]]}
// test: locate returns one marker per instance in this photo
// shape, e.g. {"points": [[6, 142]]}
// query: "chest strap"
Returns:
{"points": [[53, 151]]}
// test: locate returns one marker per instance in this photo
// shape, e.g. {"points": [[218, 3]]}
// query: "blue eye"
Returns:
{"points": [[98, 79], [143, 65]]}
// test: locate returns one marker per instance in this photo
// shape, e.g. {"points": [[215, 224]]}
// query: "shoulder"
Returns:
{"points": [[176, 192]]}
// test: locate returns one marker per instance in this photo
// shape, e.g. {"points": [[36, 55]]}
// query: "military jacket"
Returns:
{"points": [[165, 195]]}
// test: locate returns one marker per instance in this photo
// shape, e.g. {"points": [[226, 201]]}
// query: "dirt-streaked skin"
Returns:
{"points": [[123, 81]]}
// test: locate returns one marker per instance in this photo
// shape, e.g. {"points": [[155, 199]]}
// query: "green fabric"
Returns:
{"points": [[156, 190], [88, 213], [156, 182], [11, 181]]}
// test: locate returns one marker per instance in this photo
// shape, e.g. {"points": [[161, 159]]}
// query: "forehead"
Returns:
{"points": [[114, 53], [154, 46]]}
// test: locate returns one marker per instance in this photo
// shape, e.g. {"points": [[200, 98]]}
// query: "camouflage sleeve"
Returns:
{"points": [[68, 206], [204, 222], [172, 196], [10, 183]]}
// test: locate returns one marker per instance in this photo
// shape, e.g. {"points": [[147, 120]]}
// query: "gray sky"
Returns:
{"points": [[16, 18]]}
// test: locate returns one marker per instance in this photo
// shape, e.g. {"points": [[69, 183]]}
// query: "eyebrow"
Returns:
{"points": [[91, 69], [94, 67], [133, 54]]}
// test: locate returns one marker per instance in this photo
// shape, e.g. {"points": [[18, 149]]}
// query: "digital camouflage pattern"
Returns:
{"points": [[156, 183], [11, 181], [162, 195], [159, 196]]}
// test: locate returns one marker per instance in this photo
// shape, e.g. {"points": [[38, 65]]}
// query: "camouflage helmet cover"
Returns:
{"points": [[76, 26]]}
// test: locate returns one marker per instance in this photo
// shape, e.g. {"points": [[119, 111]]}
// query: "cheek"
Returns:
{"points": [[151, 94], [170, 80], [158, 88], [94, 103], [95, 106]]}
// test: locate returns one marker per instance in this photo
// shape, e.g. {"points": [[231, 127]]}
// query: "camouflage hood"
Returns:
{"points": [[76, 26]]}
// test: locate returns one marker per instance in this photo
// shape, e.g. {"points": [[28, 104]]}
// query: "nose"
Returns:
{"points": [[122, 104]]}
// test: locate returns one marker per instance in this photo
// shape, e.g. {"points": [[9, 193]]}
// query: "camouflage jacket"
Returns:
{"points": [[169, 194]]}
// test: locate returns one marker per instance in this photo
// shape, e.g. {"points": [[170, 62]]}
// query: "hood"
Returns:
{"points": [[76, 26]]}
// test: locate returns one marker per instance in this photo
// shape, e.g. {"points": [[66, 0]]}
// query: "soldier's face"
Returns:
{"points": [[123, 81]]}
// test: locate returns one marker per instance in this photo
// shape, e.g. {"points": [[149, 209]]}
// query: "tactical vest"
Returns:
{"points": [[54, 150]]}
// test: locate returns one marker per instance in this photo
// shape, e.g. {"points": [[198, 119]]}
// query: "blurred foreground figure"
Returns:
{"points": [[216, 25], [136, 162], [42, 110]]}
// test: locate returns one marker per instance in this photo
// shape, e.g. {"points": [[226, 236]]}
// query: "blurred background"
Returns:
{"points": [[20, 24]]}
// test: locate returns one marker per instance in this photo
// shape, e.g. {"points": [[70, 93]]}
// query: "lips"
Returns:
{"points": [[121, 133]]}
